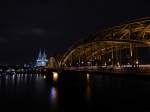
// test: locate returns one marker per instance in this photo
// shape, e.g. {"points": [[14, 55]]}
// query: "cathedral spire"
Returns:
{"points": [[40, 54], [44, 54], [42, 59]]}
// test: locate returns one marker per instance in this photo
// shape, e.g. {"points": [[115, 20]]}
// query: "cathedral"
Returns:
{"points": [[42, 59]]}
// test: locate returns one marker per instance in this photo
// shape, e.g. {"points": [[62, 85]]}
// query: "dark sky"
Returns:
{"points": [[26, 26]]}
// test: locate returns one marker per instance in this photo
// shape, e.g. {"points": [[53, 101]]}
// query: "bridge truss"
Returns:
{"points": [[114, 47]]}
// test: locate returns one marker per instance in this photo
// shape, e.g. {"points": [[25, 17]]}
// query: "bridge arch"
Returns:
{"points": [[127, 36]]}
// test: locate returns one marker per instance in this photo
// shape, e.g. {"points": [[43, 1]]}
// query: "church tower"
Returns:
{"points": [[42, 59]]}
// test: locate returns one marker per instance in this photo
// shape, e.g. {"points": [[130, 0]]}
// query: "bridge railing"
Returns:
{"points": [[123, 69]]}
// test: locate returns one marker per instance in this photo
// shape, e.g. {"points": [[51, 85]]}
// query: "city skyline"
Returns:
{"points": [[74, 55]]}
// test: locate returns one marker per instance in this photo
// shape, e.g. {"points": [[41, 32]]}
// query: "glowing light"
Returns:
{"points": [[88, 76], [105, 64], [137, 62], [118, 64], [42, 59], [54, 95], [55, 76], [44, 77], [88, 89]]}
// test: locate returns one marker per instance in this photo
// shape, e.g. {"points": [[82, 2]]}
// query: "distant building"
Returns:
{"points": [[42, 59]]}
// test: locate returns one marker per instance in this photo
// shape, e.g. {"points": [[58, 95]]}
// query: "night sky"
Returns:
{"points": [[26, 26]]}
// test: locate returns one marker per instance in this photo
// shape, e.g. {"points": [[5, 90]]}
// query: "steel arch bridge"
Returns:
{"points": [[113, 47]]}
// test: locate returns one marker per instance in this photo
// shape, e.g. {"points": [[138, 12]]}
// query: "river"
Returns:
{"points": [[73, 92]]}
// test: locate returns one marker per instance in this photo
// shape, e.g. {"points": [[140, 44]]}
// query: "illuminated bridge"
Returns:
{"points": [[120, 48]]}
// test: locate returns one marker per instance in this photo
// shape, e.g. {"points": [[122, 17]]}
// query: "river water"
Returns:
{"points": [[73, 92]]}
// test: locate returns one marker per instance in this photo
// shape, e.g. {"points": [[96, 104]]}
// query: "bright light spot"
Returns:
{"points": [[44, 77], [55, 76], [87, 75], [118, 64], [137, 62], [105, 64]]}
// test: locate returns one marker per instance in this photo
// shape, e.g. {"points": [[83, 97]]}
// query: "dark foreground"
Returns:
{"points": [[73, 92]]}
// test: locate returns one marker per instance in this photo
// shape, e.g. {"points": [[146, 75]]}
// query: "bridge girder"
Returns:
{"points": [[122, 36]]}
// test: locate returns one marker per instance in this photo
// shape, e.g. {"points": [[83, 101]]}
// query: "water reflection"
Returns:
{"points": [[88, 91], [92, 91], [55, 76], [23, 90], [54, 98], [88, 87], [13, 80], [18, 79], [54, 95], [88, 78]]}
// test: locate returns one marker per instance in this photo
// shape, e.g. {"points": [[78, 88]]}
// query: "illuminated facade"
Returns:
{"points": [[42, 59]]}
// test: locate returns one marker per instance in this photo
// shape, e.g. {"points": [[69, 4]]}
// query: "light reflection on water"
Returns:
{"points": [[102, 91], [88, 90], [88, 76], [19, 79], [53, 99], [88, 87], [53, 95], [55, 76]]}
